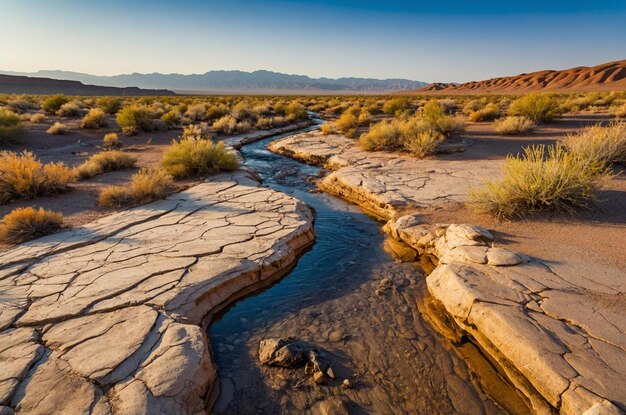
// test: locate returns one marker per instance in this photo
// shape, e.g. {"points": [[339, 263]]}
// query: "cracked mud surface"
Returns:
{"points": [[107, 317]]}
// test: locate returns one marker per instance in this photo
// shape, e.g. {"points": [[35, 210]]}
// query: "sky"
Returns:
{"points": [[443, 41]]}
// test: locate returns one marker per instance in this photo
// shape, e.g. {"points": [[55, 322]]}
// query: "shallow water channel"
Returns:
{"points": [[351, 300]]}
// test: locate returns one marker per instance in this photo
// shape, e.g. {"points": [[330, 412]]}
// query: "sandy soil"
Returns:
{"points": [[596, 235]]}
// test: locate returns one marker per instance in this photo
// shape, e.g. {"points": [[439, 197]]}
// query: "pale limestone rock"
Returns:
{"points": [[109, 318]]}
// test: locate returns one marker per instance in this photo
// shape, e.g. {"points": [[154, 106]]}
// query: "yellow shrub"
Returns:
{"points": [[146, 186], [112, 141], [489, 113], [192, 156], [513, 125], [94, 119], [537, 107], [23, 176], [23, 224], [57, 129], [103, 162], [601, 144], [10, 126]]}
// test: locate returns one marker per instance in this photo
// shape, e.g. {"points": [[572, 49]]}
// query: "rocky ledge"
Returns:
{"points": [[384, 183], [559, 338], [110, 317]]}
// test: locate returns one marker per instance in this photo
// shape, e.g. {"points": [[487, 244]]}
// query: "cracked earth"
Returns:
{"points": [[108, 318]]}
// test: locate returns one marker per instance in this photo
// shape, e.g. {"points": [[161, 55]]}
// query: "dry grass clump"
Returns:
{"points": [[103, 162], [20, 104], [133, 119], [37, 118], [621, 112], [489, 113], [95, 118], [513, 125], [53, 103], [172, 117], [537, 107], [23, 224], [600, 144], [111, 141], [423, 143], [395, 106], [296, 112], [229, 125], [109, 105], [69, 109], [11, 128], [433, 114], [196, 112], [195, 156], [328, 128], [58, 129], [385, 135], [534, 181], [348, 122], [146, 185], [23, 176]]}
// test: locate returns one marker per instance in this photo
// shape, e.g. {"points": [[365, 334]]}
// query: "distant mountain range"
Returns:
{"points": [[12, 84], [606, 77], [233, 81]]}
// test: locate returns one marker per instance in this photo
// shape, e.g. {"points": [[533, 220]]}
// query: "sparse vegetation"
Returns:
{"points": [[23, 224], [513, 125], [621, 112], [146, 186], [195, 156], [23, 176], [134, 119], [95, 118], [109, 105], [37, 118], [11, 128], [423, 143], [536, 107], [600, 144], [53, 103], [69, 109], [489, 113], [395, 105], [111, 141], [105, 161], [559, 180], [58, 129]]}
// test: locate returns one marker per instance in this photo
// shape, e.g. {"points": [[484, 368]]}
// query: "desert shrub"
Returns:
{"points": [[621, 112], [58, 129], [196, 112], [23, 176], [513, 125], [534, 181], [296, 112], [172, 117], [229, 125], [23, 224], [328, 128], [395, 105], [217, 111], [95, 118], [69, 109], [111, 141], [423, 143], [109, 105], [473, 105], [196, 156], [537, 107], [199, 131], [133, 119], [449, 105], [146, 185], [20, 105], [37, 118], [53, 103], [347, 123], [11, 128], [365, 117], [489, 113], [103, 162], [385, 135], [433, 114], [601, 144]]}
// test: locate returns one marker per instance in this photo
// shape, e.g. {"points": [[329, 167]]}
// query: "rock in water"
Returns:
{"points": [[281, 352]]}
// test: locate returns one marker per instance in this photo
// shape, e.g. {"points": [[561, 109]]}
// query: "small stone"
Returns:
{"points": [[335, 336], [319, 378], [330, 373], [346, 384]]}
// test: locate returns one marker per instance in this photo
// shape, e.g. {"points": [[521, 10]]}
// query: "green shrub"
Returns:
{"points": [[296, 112], [513, 125], [193, 156], [385, 135], [95, 118], [432, 113], [423, 143], [23, 224], [133, 119], [109, 105], [536, 107], [11, 128], [23, 176], [105, 161], [560, 180], [600, 144], [347, 123], [146, 186], [53, 103]]}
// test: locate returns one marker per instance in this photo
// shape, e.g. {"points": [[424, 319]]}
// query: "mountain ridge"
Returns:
{"points": [[231, 80]]}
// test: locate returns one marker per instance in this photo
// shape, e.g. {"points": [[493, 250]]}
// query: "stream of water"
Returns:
{"points": [[355, 303]]}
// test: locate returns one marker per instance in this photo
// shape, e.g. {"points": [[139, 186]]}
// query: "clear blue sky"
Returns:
{"points": [[445, 40]]}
